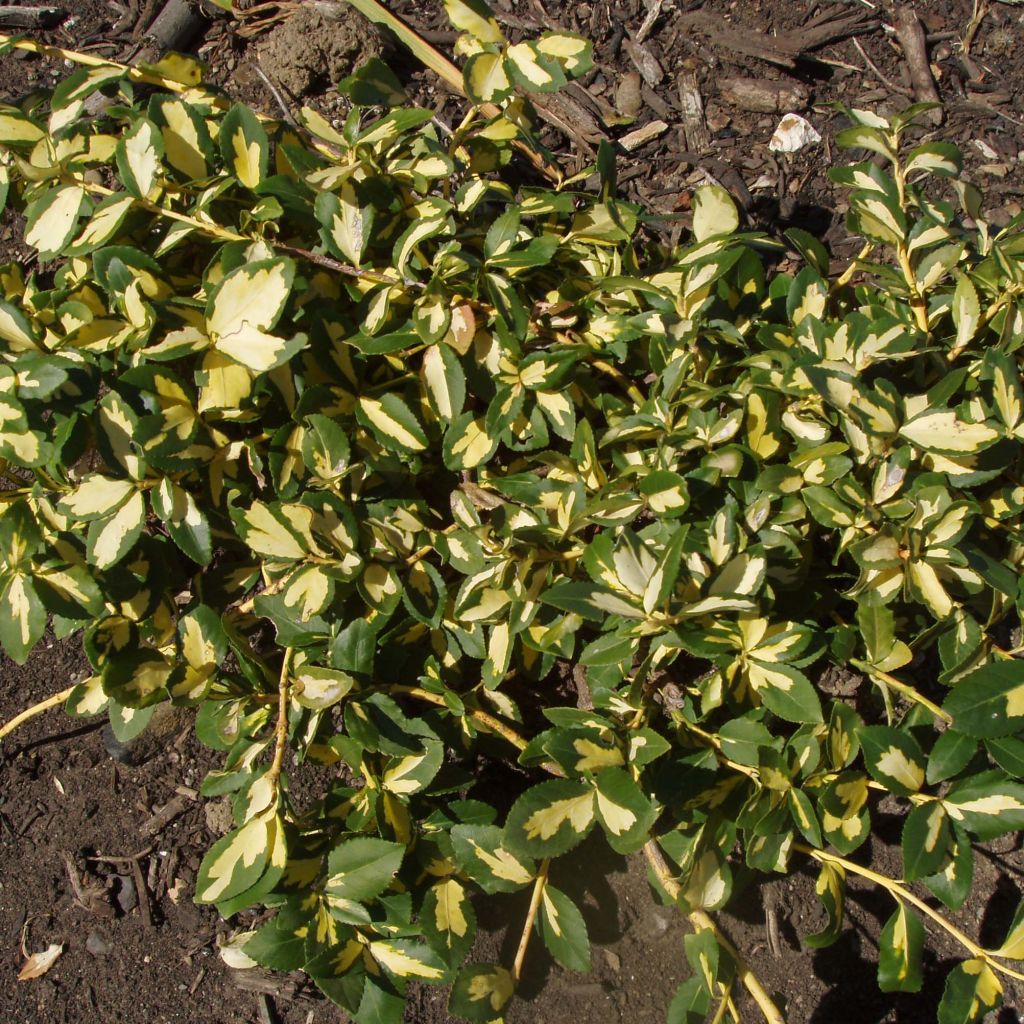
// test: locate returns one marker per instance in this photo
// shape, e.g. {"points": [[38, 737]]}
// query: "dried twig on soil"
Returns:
{"points": [[31, 17], [174, 27], [784, 48], [159, 821], [89, 895], [653, 13], [910, 34], [873, 67]]}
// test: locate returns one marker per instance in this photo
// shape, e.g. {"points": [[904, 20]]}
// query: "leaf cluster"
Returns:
{"points": [[333, 434]]}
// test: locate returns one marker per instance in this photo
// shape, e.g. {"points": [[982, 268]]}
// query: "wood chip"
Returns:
{"points": [[644, 61], [649, 132], [628, 99], [162, 818], [691, 106], [763, 96]]}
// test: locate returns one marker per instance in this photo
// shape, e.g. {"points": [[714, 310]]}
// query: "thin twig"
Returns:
{"points": [[888, 83], [278, 98]]}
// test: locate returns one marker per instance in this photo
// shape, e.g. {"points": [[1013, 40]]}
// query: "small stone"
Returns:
{"points": [[628, 97], [97, 944], [219, 819], [126, 897], [613, 960]]}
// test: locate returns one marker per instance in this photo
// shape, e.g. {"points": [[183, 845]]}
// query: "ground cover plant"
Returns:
{"points": [[393, 461]]}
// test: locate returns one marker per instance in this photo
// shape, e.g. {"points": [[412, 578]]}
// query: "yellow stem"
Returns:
{"points": [[281, 730], [704, 922], [899, 891], [88, 60], [844, 278], [620, 378], [531, 916], [36, 709], [905, 688], [495, 725]]}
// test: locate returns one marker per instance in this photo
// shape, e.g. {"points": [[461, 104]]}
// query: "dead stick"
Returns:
{"points": [[143, 892], [910, 34], [31, 17]]}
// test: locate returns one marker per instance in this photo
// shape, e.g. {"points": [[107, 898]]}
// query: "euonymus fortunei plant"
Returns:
{"points": [[346, 441]]}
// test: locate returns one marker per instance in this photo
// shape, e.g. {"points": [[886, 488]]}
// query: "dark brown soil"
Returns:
{"points": [[60, 792]]}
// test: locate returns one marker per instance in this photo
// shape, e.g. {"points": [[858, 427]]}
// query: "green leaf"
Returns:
{"points": [[831, 890], [987, 805], [899, 952], [893, 758], [714, 213], [563, 929], [691, 1003], [448, 920], [185, 522], [625, 812], [22, 616], [972, 989], [785, 691], [244, 146], [551, 818], [1013, 945], [927, 840], [480, 852], [989, 702], [234, 863], [392, 422], [952, 884], [110, 539], [361, 868], [481, 992]]}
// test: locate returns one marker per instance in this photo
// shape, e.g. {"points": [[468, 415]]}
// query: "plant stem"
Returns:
{"points": [[36, 709], [619, 377], [900, 891], [281, 730], [905, 688], [703, 921], [531, 916]]}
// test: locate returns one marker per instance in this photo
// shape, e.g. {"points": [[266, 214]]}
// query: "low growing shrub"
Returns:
{"points": [[387, 465]]}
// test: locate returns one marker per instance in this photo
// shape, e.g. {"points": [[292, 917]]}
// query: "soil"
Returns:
{"points": [[66, 804]]}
